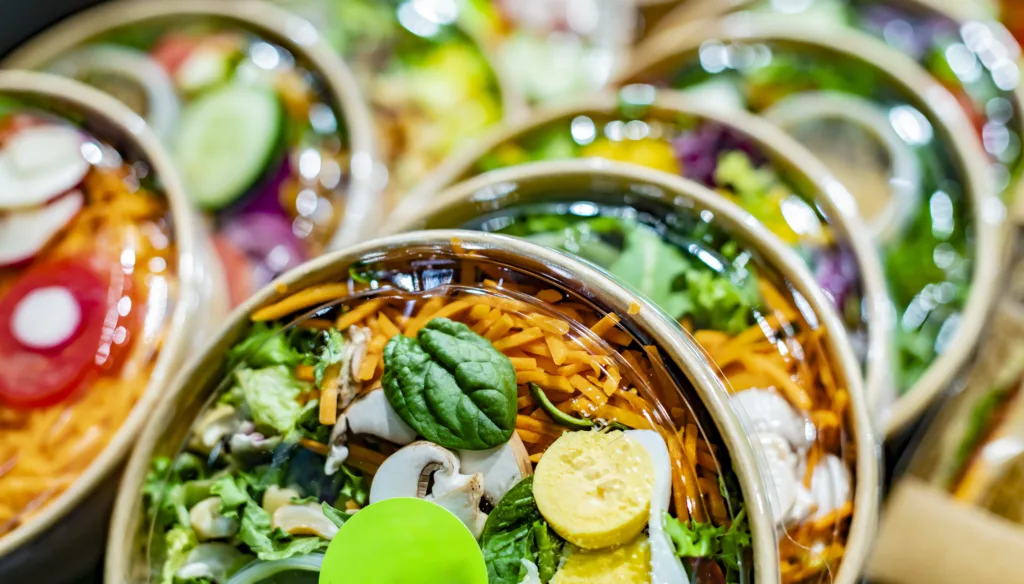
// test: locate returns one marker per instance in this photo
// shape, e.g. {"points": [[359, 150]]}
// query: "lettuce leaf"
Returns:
{"points": [[271, 394], [264, 346], [178, 542]]}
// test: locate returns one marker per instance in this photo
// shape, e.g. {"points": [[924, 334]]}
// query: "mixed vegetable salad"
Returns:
{"points": [[716, 155], [87, 283], [564, 446], [796, 407], [903, 176], [976, 61], [257, 135], [431, 86]]}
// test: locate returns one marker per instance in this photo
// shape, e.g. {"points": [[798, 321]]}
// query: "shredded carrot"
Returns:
{"points": [[549, 296], [317, 447], [307, 298], [606, 324], [518, 339]]}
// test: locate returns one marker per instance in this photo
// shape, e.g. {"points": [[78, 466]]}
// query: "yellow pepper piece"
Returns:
{"points": [[656, 154]]}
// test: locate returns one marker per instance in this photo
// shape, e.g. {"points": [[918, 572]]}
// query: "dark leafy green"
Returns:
{"points": [[452, 386], [725, 544], [516, 531]]}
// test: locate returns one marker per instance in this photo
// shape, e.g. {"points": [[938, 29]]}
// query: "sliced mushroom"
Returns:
{"points": [[665, 564], [212, 562], [215, 424], [304, 520], [276, 497], [371, 415], [789, 500], [207, 521], [407, 473], [502, 467], [352, 357], [831, 485], [767, 411]]}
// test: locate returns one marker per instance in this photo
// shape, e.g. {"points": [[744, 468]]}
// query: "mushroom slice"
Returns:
{"points": [[352, 357], [831, 485], [502, 467], [371, 415], [304, 520], [407, 473], [212, 562], [207, 521], [768, 412], [665, 565], [215, 424], [790, 502]]}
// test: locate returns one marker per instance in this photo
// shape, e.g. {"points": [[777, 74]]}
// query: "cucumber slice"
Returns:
{"points": [[226, 140]]}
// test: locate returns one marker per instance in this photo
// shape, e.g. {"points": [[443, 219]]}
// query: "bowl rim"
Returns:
{"points": [[838, 203], [674, 190], [363, 204], [131, 128], [948, 120], [614, 298]]}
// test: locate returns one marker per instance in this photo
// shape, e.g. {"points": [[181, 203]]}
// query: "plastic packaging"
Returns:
{"points": [[314, 388], [897, 126], [265, 124], [747, 300]]}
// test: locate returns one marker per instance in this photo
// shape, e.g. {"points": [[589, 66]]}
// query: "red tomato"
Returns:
{"points": [[36, 378], [237, 271], [172, 50]]}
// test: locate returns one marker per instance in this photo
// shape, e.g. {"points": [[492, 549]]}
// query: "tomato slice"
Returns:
{"points": [[39, 377], [237, 270], [172, 50]]}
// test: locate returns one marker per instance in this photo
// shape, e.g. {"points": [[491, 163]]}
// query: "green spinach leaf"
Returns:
{"points": [[452, 386], [515, 530], [504, 553]]}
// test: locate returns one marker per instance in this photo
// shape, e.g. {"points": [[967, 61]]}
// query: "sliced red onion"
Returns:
{"points": [[265, 197], [40, 163], [268, 242], [23, 234], [836, 271]]}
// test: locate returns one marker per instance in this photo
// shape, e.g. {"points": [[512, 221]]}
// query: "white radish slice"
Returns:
{"points": [[46, 318], [24, 233], [39, 164]]}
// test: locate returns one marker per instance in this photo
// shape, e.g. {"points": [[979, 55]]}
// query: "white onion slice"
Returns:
{"points": [[46, 318], [39, 164], [24, 233]]}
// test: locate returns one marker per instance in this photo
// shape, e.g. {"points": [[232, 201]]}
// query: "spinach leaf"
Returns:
{"points": [[504, 553], [549, 550], [452, 386], [515, 530], [330, 353], [515, 509]]}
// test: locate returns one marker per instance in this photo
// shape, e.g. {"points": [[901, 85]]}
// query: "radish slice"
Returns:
{"points": [[39, 164], [46, 318], [24, 233]]}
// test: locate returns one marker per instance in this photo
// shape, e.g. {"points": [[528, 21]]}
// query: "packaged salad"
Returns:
{"points": [[570, 431], [967, 468], [959, 43], [906, 154], [751, 305], [428, 77], [740, 156], [553, 50], [101, 286], [265, 124]]}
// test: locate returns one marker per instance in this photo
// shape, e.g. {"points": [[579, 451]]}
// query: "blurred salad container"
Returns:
{"points": [[742, 157], [101, 279], [574, 433], [747, 300], [430, 81], [958, 43], [264, 122], [555, 49], [897, 139]]}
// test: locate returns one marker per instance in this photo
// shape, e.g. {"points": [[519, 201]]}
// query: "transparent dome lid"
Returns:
{"points": [[907, 154], [265, 125], [748, 161], [482, 374], [745, 299], [89, 260]]}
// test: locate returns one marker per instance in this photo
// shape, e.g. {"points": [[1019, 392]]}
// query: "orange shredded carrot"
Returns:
{"points": [[356, 315], [606, 324], [518, 339], [307, 298], [550, 296]]}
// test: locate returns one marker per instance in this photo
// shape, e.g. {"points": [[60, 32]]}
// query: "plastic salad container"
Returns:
{"points": [[430, 82], [574, 435], [749, 302], [906, 152], [100, 280], [740, 156], [553, 50], [264, 122], [962, 47]]}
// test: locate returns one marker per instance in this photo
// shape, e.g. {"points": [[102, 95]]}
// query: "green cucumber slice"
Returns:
{"points": [[226, 139]]}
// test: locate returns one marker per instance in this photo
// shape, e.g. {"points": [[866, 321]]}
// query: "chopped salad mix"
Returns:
{"points": [[257, 137], [467, 382], [88, 279]]}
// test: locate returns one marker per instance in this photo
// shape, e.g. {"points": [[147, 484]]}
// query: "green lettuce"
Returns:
{"points": [[271, 394]]}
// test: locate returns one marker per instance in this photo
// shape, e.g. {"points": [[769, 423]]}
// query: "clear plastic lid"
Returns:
{"points": [[265, 126], [740, 295], [88, 283], [565, 442], [881, 124], [431, 84], [748, 161]]}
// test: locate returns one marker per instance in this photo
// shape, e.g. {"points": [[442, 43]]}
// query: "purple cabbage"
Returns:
{"points": [[917, 38], [836, 271], [268, 241], [698, 151]]}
